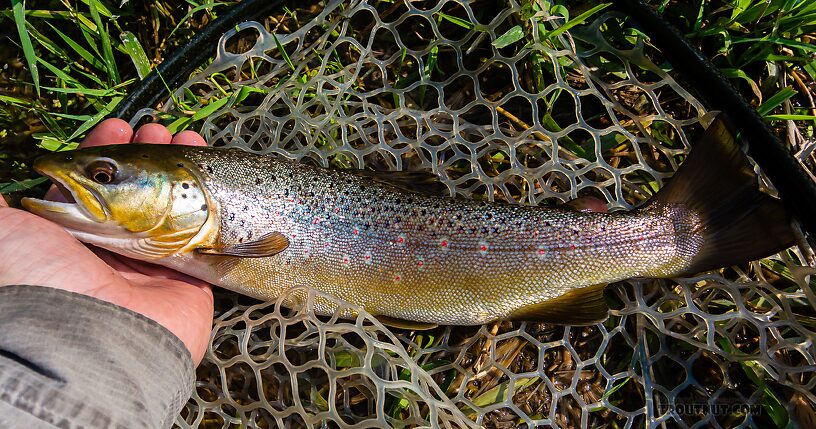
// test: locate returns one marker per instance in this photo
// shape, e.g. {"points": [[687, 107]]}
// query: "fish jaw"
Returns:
{"points": [[83, 214], [83, 210]]}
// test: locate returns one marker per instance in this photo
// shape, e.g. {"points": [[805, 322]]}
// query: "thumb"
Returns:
{"points": [[3, 202]]}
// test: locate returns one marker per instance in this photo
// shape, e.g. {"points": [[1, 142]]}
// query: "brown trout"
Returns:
{"points": [[260, 225]]}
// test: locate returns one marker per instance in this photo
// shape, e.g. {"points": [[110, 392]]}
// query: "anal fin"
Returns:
{"points": [[584, 306], [394, 322]]}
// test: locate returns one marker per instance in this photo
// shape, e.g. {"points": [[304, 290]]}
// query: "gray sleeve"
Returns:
{"points": [[71, 361]]}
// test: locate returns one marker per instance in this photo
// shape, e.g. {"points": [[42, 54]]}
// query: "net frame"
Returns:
{"points": [[269, 366]]}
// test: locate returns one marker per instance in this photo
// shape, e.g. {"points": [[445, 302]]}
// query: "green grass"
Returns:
{"points": [[77, 61]]}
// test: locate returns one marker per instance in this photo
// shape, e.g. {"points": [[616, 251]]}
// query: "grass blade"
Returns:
{"points": [[772, 103], [87, 56], [456, 20], [578, 20], [18, 7], [283, 52], [107, 51], [132, 47], [511, 36], [21, 185], [96, 118]]}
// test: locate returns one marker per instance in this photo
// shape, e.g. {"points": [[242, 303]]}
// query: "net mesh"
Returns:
{"points": [[501, 101]]}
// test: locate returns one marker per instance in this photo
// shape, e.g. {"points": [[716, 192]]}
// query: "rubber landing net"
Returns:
{"points": [[502, 102]]}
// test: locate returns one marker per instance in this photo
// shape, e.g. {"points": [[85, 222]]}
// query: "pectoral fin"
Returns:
{"points": [[584, 306], [266, 245], [405, 324]]}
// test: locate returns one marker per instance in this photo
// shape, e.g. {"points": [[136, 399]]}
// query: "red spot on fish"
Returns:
{"points": [[541, 252], [356, 231], [326, 245], [400, 239], [483, 248], [444, 243], [316, 221], [337, 209], [420, 263], [397, 277], [572, 247]]}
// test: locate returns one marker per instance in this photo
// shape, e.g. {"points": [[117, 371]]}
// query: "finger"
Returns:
{"points": [[152, 133], [109, 131], [189, 138], [3, 202]]}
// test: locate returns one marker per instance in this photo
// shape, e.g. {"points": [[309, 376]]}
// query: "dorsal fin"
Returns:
{"points": [[413, 181], [584, 306]]}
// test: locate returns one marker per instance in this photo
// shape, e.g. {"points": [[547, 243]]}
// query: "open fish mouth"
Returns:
{"points": [[83, 209]]}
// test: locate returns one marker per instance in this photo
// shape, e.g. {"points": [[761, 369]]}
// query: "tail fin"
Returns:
{"points": [[737, 221]]}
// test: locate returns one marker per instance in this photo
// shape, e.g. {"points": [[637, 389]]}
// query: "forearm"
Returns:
{"points": [[69, 360]]}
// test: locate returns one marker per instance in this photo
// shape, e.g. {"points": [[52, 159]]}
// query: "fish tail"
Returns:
{"points": [[736, 221]]}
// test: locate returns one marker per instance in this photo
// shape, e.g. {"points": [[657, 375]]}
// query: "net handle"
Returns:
{"points": [[177, 67]]}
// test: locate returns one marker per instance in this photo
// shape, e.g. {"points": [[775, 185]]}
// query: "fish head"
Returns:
{"points": [[143, 201]]}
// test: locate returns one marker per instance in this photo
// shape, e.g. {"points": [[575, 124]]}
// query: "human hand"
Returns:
{"points": [[35, 251]]}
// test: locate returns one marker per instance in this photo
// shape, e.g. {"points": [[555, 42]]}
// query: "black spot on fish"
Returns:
{"points": [[397, 201], [272, 177], [249, 235], [180, 165], [362, 188], [69, 157], [145, 156], [488, 216], [397, 219], [185, 185], [311, 194], [484, 230], [209, 169], [231, 216], [204, 208], [409, 201], [286, 192], [258, 181], [183, 195]]}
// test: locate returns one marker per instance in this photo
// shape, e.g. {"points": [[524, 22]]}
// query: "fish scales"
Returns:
{"points": [[420, 257]]}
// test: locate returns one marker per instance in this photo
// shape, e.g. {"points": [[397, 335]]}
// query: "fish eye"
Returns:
{"points": [[103, 172]]}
